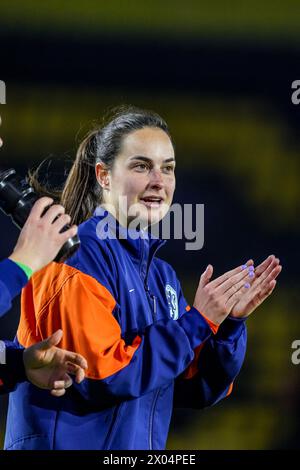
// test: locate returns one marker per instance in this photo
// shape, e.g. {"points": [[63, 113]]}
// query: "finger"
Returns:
{"points": [[57, 384], [52, 213], [53, 340], [61, 222], [39, 207], [272, 286], [79, 375], [272, 275], [75, 359], [68, 380], [70, 233], [273, 265], [229, 274], [264, 289], [234, 298], [235, 282], [206, 276], [240, 287], [266, 292], [77, 371], [263, 266], [58, 393], [64, 382]]}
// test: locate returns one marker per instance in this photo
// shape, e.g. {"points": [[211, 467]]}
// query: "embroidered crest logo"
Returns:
{"points": [[172, 301]]}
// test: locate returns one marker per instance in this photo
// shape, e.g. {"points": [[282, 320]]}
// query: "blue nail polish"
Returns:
{"points": [[247, 285], [244, 266], [251, 268], [251, 274]]}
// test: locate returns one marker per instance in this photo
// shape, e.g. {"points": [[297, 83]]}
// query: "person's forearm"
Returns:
{"points": [[214, 368], [161, 353], [12, 279]]}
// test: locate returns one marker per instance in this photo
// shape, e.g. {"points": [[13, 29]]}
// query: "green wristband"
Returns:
{"points": [[28, 271]]}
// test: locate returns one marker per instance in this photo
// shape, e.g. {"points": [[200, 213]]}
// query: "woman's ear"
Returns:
{"points": [[102, 175]]}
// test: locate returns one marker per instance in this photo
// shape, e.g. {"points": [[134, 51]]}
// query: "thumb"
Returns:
{"points": [[206, 276], [53, 340]]}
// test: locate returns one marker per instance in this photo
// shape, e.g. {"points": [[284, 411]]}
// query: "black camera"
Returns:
{"points": [[17, 199]]}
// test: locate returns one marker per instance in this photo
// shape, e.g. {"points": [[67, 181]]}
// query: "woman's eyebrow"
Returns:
{"points": [[149, 160]]}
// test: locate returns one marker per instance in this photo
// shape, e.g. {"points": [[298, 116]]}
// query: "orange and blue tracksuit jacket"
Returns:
{"points": [[12, 279], [122, 308]]}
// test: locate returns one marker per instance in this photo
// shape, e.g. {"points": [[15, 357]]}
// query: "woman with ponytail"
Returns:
{"points": [[122, 307]]}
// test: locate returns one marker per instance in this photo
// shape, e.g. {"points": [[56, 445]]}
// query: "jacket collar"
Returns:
{"points": [[139, 243]]}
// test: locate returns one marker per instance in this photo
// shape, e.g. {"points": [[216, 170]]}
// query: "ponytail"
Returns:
{"points": [[82, 193]]}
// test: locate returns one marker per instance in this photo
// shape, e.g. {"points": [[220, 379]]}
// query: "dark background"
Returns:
{"points": [[221, 76]]}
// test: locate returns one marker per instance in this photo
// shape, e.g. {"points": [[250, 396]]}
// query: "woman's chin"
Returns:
{"points": [[145, 216]]}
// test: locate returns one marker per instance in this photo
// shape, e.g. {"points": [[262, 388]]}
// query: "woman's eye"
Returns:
{"points": [[141, 166], [169, 168]]}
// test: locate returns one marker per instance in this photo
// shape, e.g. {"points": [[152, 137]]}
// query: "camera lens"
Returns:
{"points": [[17, 199]]}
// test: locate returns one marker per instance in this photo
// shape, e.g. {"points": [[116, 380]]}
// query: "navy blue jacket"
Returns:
{"points": [[123, 309]]}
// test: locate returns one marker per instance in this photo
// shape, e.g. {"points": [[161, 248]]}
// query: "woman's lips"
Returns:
{"points": [[152, 203]]}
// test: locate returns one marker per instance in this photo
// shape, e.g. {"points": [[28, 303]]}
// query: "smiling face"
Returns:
{"points": [[144, 174]]}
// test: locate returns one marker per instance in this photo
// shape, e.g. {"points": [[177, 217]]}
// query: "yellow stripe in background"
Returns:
{"points": [[268, 20]]}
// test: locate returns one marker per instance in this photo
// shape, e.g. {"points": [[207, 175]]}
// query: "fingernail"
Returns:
{"points": [[247, 285], [251, 268], [251, 274], [244, 266]]}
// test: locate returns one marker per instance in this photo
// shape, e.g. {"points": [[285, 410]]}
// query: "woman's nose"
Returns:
{"points": [[156, 178]]}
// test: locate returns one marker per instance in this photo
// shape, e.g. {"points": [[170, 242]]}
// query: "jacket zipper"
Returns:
{"points": [[154, 312], [154, 304], [151, 419], [153, 301]]}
